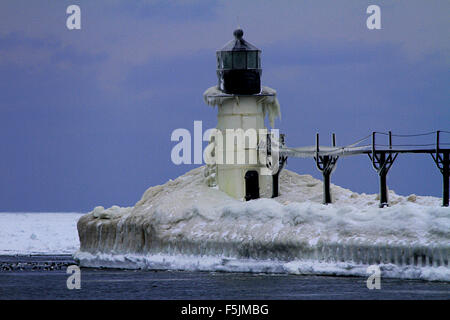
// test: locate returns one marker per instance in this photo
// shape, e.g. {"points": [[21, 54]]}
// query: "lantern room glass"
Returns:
{"points": [[252, 60], [238, 60], [227, 60]]}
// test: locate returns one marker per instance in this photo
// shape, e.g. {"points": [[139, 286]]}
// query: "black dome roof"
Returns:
{"points": [[238, 43]]}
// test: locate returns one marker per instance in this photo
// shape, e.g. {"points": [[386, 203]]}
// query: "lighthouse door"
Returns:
{"points": [[251, 185]]}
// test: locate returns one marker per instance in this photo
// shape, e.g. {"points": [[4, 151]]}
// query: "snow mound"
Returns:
{"points": [[185, 224]]}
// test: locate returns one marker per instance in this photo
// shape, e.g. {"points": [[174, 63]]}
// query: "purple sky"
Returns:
{"points": [[86, 115]]}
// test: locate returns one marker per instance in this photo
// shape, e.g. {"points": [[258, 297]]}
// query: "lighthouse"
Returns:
{"points": [[243, 105]]}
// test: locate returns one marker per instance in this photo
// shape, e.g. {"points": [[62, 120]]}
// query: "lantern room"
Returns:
{"points": [[239, 67]]}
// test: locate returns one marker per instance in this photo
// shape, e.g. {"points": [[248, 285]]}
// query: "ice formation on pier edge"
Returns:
{"points": [[186, 225]]}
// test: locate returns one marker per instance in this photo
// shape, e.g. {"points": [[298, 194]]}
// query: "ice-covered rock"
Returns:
{"points": [[102, 213], [184, 224]]}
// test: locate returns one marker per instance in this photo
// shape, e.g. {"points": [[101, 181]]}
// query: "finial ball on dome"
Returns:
{"points": [[238, 33]]}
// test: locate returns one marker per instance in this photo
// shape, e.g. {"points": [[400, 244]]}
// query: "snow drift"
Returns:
{"points": [[187, 225]]}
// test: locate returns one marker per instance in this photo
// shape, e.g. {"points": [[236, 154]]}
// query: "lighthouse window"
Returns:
{"points": [[239, 60], [227, 60], [252, 60]]}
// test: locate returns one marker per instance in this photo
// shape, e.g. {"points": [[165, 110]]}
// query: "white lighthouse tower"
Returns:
{"points": [[242, 104]]}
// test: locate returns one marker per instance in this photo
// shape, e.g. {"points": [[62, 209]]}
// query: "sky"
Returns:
{"points": [[86, 115]]}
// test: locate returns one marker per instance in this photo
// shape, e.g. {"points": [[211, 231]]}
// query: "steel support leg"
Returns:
{"points": [[442, 160], [445, 176], [382, 161], [384, 200], [326, 187], [326, 165], [275, 185]]}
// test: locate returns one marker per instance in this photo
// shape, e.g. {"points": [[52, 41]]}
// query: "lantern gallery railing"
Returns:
{"points": [[381, 155]]}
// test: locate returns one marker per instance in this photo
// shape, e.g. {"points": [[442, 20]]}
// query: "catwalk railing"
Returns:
{"points": [[381, 155]]}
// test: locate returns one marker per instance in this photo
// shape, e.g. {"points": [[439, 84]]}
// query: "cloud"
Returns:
{"points": [[121, 35]]}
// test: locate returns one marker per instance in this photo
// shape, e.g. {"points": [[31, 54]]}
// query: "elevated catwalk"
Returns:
{"points": [[381, 155]]}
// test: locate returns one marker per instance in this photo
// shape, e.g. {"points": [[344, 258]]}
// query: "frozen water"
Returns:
{"points": [[38, 233]]}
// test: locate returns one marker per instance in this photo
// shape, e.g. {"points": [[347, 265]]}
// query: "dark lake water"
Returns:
{"points": [[44, 277]]}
